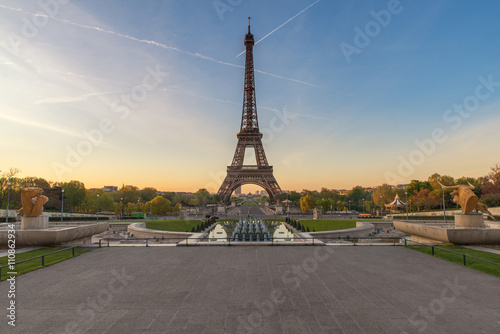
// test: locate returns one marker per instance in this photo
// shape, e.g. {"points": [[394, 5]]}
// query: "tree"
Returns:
{"points": [[494, 175], [106, 202], [160, 205], [356, 194], [130, 194], [130, 208], [415, 186], [4, 180], [435, 179], [148, 193], [435, 199], [307, 202], [74, 194], [419, 199], [324, 203], [427, 199], [386, 192], [368, 206]]}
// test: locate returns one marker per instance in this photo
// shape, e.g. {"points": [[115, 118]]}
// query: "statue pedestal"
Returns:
{"points": [[35, 223], [470, 220]]}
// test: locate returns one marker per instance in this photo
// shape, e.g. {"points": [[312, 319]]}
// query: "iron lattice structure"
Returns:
{"points": [[239, 174]]}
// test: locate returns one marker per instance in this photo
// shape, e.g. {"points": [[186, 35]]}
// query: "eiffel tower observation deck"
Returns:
{"points": [[238, 173]]}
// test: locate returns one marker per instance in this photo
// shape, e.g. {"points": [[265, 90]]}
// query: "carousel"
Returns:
{"points": [[396, 205]]}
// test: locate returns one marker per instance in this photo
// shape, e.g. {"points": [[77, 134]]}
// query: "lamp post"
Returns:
{"points": [[287, 203], [97, 211], [349, 206], [8, 198], [381, 210], [62, 203], [364, 211], [406, 203], [121, 213], [444, 207]]}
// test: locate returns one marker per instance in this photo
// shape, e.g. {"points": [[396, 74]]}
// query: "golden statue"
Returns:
{"points": [[464, 196], [32, 201], [468, 201]]}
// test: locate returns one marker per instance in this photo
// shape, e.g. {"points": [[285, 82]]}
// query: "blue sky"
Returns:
{"points": [[330, 118]]}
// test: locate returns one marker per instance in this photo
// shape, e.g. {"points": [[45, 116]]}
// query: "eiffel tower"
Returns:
{"points": [[249, 136]]}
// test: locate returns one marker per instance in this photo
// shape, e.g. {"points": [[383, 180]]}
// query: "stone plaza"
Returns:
{"points": [[252, 289]]}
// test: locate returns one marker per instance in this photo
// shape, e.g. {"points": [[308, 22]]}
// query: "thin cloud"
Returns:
{"points": [[40, 125], [285, 78], [67, 99], [240, 104], [284, 23]]}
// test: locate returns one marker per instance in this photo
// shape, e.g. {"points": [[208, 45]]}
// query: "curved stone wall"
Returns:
{"points": [[362, 229], [53, 236], [139, 230]]}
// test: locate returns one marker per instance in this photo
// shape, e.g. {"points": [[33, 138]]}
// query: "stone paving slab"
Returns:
{"points": [[254, 290]]}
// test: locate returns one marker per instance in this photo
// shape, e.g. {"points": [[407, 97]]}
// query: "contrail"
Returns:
{"points": [[280, 77], [239, 103], [303, 10], [150, 42]]}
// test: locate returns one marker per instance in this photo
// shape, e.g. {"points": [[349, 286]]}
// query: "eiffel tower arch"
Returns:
{"points": [[238, 173]]}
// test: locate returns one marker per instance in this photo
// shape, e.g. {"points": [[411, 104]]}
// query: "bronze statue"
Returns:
{"points": [[484, 208], [464, 196], [32, 201]]}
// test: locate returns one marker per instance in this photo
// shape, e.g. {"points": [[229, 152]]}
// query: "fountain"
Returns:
{"points": [[250, 230], [468, 228], [35, 230]]}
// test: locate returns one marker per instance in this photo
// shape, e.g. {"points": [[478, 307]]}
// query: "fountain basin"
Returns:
{"points": [[448, 233], [54, 234]]}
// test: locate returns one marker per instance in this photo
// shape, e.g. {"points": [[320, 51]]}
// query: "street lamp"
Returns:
{"points": [[8, 198], [349, 206], [97, 211], [406, 203], [381, 210], [287, 203], [62, 203], [121, 213], [444, 207]]}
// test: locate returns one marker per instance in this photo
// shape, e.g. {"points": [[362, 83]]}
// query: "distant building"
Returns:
{"points": [[342, 191], [109, 189], [237, 191]]}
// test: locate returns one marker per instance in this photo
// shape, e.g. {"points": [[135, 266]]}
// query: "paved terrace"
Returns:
{"points": [[254, 290]]}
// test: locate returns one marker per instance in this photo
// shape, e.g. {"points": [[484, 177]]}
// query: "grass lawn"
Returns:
{"points": [[471, 263], [173, 225], [250, 203], [328, 224], [37, 263]]}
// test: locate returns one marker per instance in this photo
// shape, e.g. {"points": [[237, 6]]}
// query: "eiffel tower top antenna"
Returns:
{"points": [[249, 122]]}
